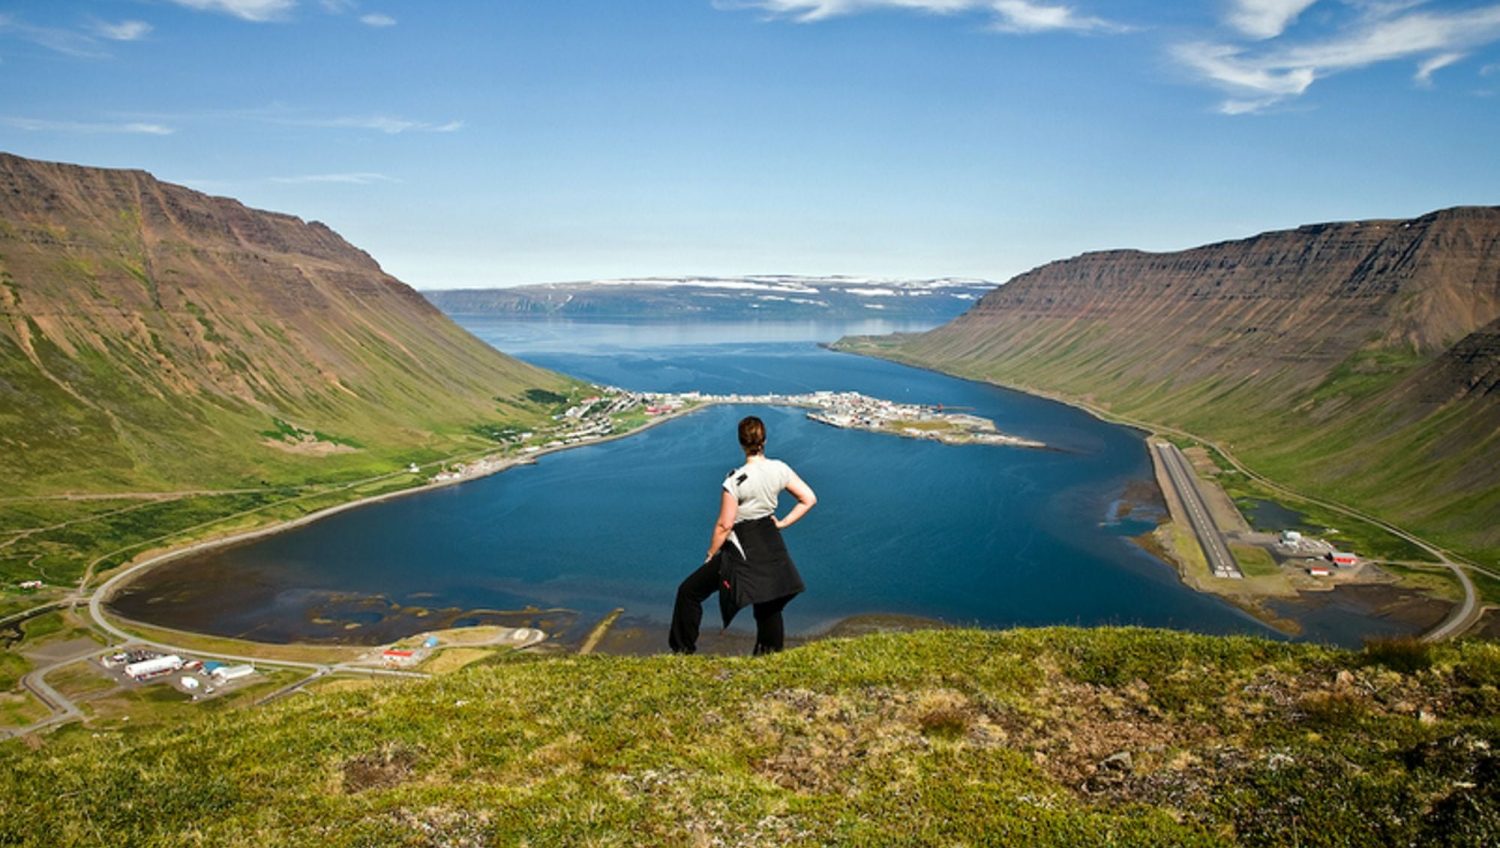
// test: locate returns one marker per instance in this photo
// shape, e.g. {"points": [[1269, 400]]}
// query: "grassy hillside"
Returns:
{"points": [[1043, 737], [157, 340], [1358, 362]]}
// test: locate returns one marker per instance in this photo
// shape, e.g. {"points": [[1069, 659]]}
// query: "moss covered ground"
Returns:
{"points": [[1028, 737]]}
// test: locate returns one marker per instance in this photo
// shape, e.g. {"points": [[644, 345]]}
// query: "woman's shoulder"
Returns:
{"points": [[780, 467]]}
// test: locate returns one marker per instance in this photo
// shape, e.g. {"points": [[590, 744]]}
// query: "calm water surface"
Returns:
{"points": [[972, 535]]}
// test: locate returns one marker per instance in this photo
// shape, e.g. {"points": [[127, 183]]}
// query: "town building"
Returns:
{"points": [[154, 667]]}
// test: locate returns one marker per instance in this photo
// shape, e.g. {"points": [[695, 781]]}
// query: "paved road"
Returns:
{"points": [[1209, 537], [1463, 615], [63, 709]]}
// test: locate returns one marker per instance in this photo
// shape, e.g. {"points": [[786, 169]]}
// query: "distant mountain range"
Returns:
{"points": [[736, 298], [155, 337], [1359, 360]]}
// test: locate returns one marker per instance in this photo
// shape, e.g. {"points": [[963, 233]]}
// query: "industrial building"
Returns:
{"points": [[226, 673], [154, 667]]}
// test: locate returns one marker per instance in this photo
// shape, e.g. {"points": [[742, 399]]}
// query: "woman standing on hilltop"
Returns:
{"points": [[747, 562]]}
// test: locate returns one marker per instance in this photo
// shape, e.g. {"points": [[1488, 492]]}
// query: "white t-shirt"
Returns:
{"points": [[755, 486]]}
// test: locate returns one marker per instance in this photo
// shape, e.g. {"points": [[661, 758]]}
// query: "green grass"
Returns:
{"points": [[13, 667], [1254, 561], [1435, 580], [80, 680], [18, 709], [941, 737]]}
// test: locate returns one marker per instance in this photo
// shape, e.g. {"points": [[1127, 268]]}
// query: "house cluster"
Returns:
{"points": [[477, 468], [1322, 558], [407, 657], [191, 676]]}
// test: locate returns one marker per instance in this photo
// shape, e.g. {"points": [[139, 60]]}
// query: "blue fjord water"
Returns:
{"points": [[980, 535]]}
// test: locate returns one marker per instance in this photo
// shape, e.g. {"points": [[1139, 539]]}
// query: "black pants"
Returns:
{"points": [[687, 614]]}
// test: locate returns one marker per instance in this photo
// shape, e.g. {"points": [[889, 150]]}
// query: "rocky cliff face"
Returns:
{"points": [[1354, 359], [145, 327]]}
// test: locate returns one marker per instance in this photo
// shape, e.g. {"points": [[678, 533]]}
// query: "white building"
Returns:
{"points": [[226, 673], [154, 666]]}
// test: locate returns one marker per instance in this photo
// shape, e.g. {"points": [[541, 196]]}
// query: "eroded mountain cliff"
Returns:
{"points": [[1357, 360], [153, 336]]}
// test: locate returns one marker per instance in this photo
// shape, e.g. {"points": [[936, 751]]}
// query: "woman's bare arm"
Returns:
{"points": [[728, 506], [805, 501]]}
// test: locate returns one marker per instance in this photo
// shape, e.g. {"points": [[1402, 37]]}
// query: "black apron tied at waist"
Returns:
{"points": [[763, 572]]}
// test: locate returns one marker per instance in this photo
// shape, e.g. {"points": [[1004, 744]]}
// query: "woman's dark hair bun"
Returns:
{"points": [[752, 434]]}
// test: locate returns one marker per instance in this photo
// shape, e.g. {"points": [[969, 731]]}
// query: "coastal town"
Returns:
{"points": [[613, 412]]}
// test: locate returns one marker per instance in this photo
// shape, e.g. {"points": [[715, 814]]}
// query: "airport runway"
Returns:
{"points": [[1214, 549]]}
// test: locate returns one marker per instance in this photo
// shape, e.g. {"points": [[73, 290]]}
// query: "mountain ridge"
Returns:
{"points": [[1318, 352], [759, 296], [156, 339], [121, 292]]}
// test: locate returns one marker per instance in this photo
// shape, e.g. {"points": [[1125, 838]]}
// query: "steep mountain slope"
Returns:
{"points": [[1357, 360], [155, 337], [738, 298]]}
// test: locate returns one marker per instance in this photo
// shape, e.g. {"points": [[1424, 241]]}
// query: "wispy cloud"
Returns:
{"points": [[375, 19], [1273, 70], [259, 11], [1025, 17], [357, 178], [1436, 63], [86, 127], [1011, 16], [1265, 18], [380, 123], [281, 114], [122, 31], [63, 41]]}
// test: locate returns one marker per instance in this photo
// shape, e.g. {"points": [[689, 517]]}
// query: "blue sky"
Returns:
{"points": [[497, 142]]}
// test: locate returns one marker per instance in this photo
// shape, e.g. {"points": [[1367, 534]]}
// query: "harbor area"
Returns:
{"points": [[611, 412]]}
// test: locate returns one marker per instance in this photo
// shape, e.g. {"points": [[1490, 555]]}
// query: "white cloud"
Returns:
{"points": [[1227, 65], [1263, 75], [122, 31], [1436, 63], [357, 178], [83, 127], [817, 10], [249, 10], [377, 20], [1025, 16], [1266, 18], [280, 114], [383, 123], [63, 41], [1014, 16]]}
